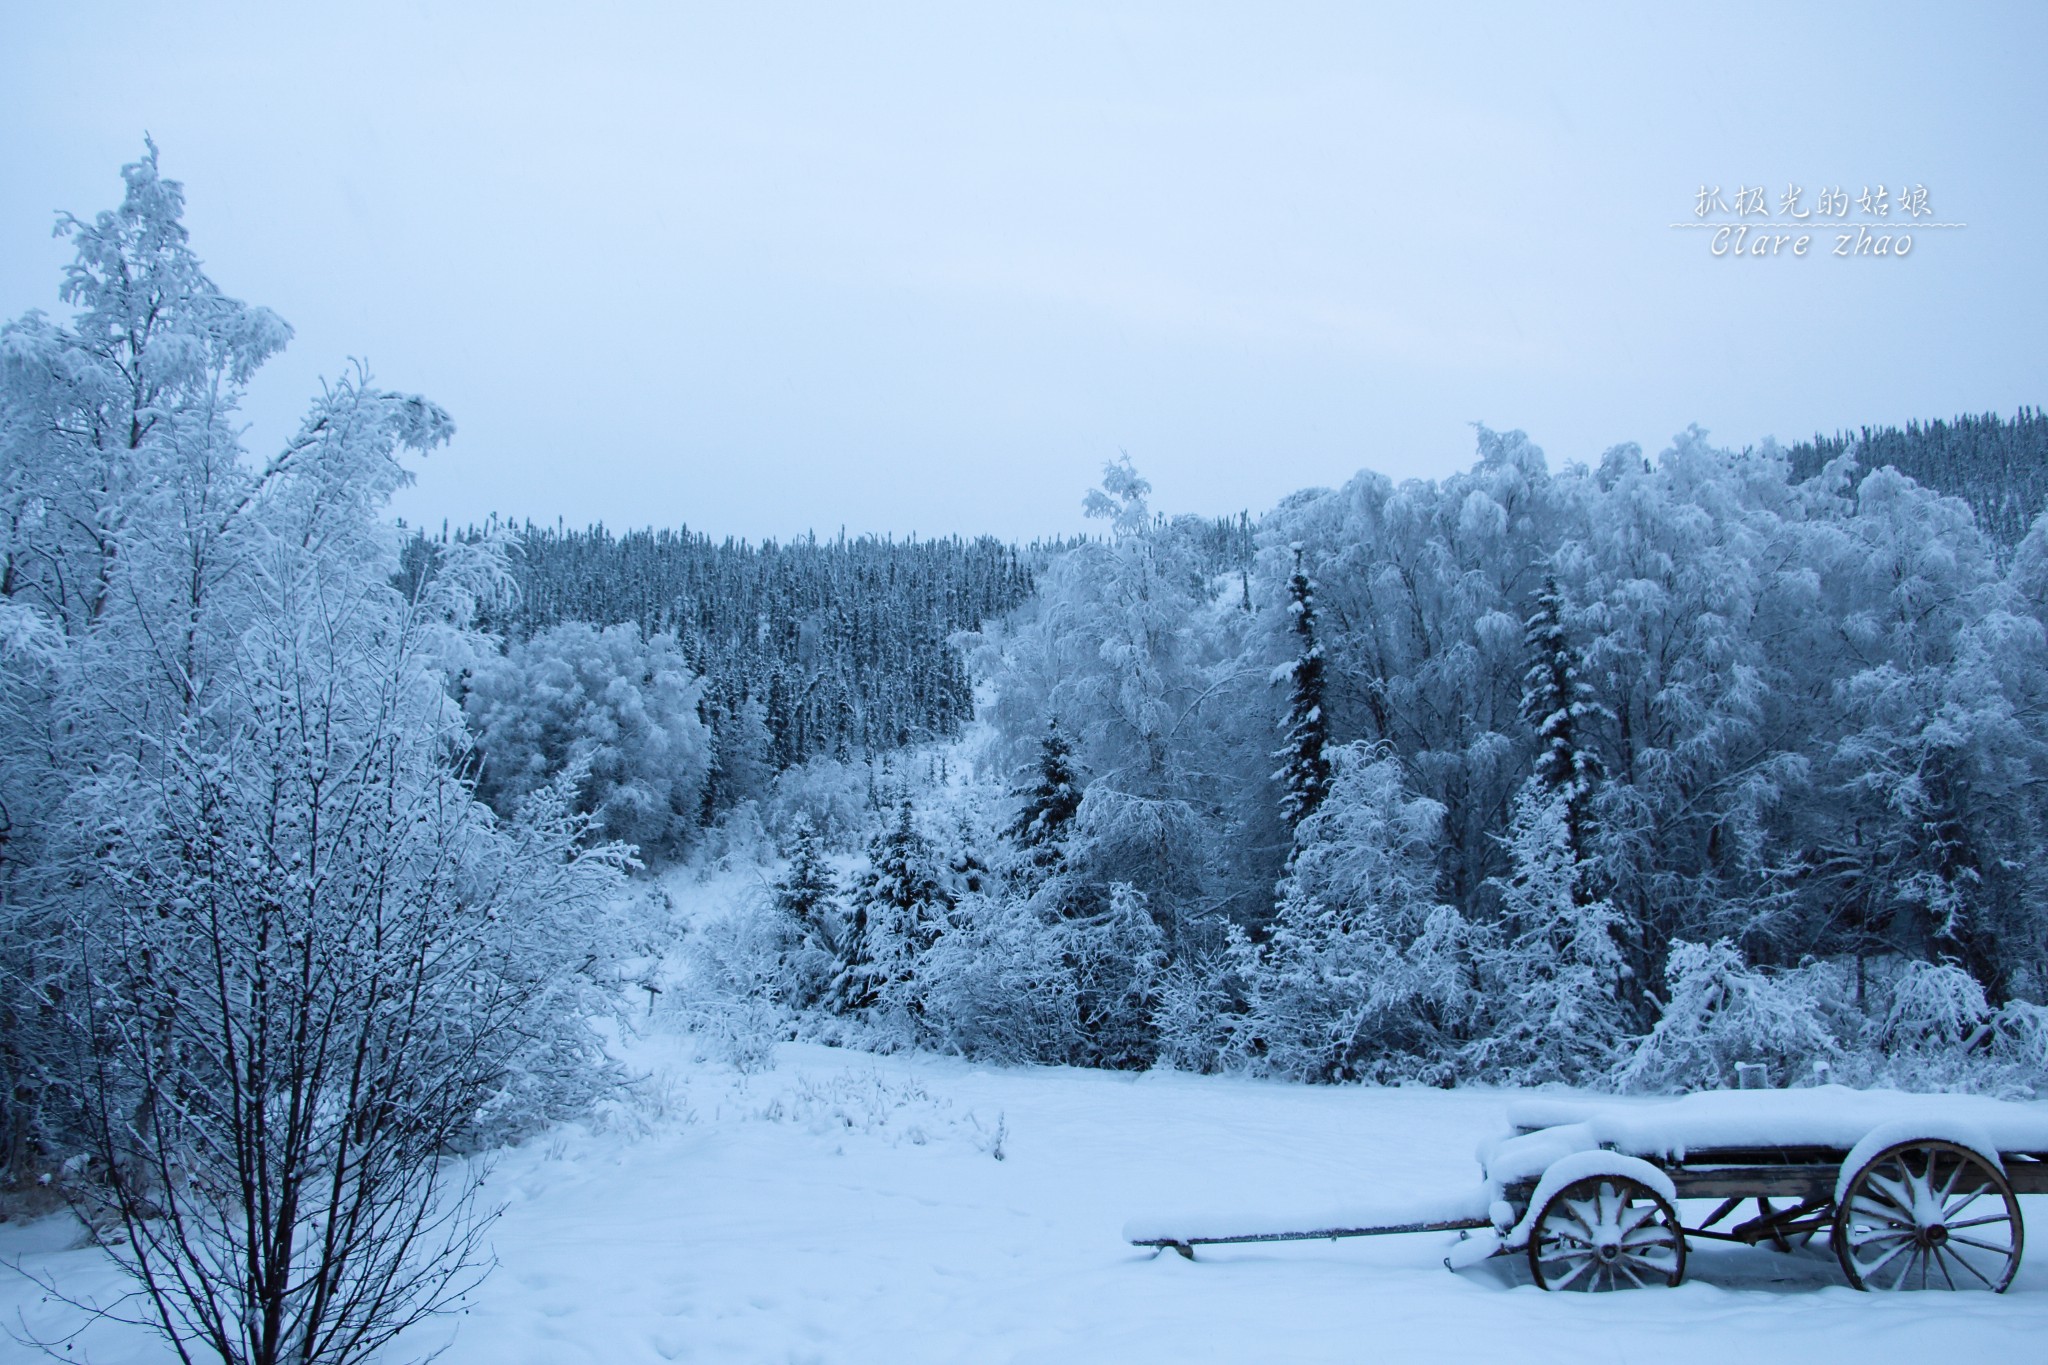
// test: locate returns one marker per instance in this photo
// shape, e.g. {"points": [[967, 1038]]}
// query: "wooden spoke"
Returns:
{"points": [[1606, 1232], [1898, 1226]]}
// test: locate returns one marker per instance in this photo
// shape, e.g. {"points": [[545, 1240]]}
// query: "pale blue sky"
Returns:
{"points": [[764, 268]]}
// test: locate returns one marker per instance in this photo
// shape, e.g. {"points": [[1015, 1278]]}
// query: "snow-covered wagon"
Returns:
{"points": [[1913, 1191]]}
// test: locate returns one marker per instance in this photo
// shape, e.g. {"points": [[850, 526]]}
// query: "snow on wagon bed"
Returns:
{"points": [[1828, 1117], [1912, 1191]]}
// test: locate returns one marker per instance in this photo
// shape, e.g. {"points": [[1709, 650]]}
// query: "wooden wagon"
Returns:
{"points": [[1913, 1191]]}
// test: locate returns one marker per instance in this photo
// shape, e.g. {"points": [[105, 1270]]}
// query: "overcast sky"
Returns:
{"points": [[763, 268]]}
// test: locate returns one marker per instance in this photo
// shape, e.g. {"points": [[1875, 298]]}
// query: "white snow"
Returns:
{"points": [[843, 1207], [1822, 1116], [1910, 1130], [1570, 1170]]}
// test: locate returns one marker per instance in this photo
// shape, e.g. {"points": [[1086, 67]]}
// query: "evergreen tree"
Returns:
{"points": [[967, 870], [807, 894], [812, 929], [1553, 966], [1555, 960], [1116, 956], [899, 912], [1555, 701], [1050, 801], [742, 749], [1306, 776], [1360, 974]]}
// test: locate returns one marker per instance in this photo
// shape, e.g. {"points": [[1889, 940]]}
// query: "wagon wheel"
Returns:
{"points": [[1928, 1215], [1606, 1232]]}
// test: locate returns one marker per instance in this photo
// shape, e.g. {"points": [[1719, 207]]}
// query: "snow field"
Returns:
{"points": [[844, 1207]]}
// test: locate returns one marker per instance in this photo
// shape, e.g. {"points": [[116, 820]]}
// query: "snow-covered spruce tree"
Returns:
{"points": [[1304, 777], [1558, 703], [743, 759], [1553, 964], [1115, 957], [1362, 975], [807, 893], [898, 912], [1047, 807], [283, 962], [807, 899]]}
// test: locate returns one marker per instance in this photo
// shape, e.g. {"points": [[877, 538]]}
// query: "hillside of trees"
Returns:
{"points": [[1997, 465], [1621, 774], [806, 648]]}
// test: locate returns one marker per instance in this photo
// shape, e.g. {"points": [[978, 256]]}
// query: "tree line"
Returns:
{"points": [[1620, 773]]}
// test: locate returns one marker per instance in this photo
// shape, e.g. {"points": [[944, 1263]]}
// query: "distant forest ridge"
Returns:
{"points": [[841, 645], [1997, 465], [838, 645]]}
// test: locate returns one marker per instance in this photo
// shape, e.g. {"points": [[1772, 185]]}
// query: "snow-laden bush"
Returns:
{"points": [[997, 986], [737, 987], [1196, 1016], [2020, 1036], [1362, 972], [613, 707], [738, 840], [1936, 1007], [1931, 1027], [1551, 967], [835, 798], [1722, 1012]]}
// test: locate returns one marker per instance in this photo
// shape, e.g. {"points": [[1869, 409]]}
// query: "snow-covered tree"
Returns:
{"points": [[997, 985], [743, 756], [1721, 1012], [274, 959], [615, 709], [1362, 972], [1551, 967], [1115, 956], [899, 910], [1118, 645], [1305, 774], [1048, 804], [807, 899], [1558, 703], [808, 892]]}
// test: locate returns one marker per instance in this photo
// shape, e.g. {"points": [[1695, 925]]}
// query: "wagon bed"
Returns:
{"points": [[1913, 1191]]}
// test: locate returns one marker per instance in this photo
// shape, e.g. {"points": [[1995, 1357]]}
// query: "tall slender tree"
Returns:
{"points": [[1557, 702], [1305, 776]]}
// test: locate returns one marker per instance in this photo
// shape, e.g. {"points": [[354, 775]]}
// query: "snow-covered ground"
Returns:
{"points": [[846, 1207]]}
